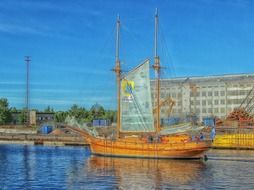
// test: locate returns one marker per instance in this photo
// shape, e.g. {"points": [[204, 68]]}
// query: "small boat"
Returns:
{"points": [[138, 129]]}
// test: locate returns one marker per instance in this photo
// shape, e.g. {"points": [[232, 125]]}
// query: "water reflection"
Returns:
{"points": [[41, 167], [146, 173]]}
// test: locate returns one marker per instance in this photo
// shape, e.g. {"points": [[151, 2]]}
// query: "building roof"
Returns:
{"points": [[218, 78]]}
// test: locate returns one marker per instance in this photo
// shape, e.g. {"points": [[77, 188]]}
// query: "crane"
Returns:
{"points": [[168, 101]]}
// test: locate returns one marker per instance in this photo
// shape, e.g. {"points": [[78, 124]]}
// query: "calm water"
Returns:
{"points": [[41, 167]]}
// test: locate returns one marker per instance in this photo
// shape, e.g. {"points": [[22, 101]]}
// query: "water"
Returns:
{"points": [[41, 167]]}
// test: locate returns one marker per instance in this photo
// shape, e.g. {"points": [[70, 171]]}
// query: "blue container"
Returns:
{"points": [[103, 122], [100, 122], [191, 118], [209, 121], [170, 121], [46, 129], [96, 122]]}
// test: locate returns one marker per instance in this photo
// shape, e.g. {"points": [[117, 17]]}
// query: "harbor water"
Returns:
{"points": [[47, 167]]}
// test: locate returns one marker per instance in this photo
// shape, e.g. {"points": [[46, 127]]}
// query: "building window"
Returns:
{"points": [[229, 110], [210, 102], [222, 101], [216, 93], [242, 92], [222, 93], [216, 102], [236, 101], [203, 110], [203, 102], [210, 110], [233, 93], [210, 93], [203, 93], [222, 110], [229, 101]]}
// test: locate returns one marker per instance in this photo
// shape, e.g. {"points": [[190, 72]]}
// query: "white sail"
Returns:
{"points": [[136, 102]]}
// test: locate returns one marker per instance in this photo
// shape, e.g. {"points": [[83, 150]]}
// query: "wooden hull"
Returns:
{"points": [[126, 148], [169, 147]]}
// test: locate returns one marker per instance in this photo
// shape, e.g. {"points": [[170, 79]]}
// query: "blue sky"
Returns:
{"points": [[72, 45]]}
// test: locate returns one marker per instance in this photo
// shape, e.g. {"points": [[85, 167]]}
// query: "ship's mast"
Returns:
{"points": [[117, 70], [157, 69]]}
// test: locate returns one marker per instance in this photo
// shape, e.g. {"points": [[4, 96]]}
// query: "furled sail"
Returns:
{"points": [[186, 128], [136, 102]]}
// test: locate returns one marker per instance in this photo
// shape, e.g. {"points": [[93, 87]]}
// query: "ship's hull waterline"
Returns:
{"points": [[125, 148], [140, 148]]}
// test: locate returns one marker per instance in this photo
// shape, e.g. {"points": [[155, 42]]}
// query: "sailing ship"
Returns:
{"points": [[138, 132]]}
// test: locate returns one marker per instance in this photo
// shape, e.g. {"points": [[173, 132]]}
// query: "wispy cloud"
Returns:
{"points": [[70, 101], [11, 83], [48, 5], [62, 102], [26, 19], [17, 29], [34, 29]]}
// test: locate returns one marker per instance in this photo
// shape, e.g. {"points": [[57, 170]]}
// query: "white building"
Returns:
{"points": [[205, 96]]}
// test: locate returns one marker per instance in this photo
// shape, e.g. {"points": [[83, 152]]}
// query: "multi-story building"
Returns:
{"points": [[205, 96]]}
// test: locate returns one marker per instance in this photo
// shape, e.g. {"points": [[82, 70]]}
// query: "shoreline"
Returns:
{"points": [[23, 135], [39, 139]]}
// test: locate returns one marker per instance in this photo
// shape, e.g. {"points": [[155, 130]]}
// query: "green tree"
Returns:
{"points": [[79, 113], [110, 115], [22, 118], [82, 115], [60, 116], [49, 110], [13, 110], [5, 113], [97, 112]]}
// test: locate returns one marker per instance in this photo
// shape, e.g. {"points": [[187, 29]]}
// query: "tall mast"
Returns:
{"points": [[157, 69], [117, 70]]}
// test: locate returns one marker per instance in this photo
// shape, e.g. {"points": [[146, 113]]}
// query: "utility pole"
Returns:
{"points": [[27, 61]]}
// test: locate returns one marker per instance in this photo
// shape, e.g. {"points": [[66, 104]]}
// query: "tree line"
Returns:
{"points": [[81, 114]]}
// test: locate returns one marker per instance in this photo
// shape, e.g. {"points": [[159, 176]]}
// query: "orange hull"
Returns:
{"points": [[169, 147], [139, 148]]}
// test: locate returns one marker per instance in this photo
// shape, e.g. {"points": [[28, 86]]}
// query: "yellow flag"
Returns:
{"points": [[127, 87]]}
